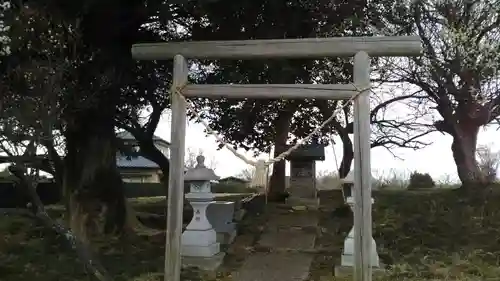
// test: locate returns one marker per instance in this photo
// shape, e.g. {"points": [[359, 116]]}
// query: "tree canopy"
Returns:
{"points": [[458, 72], [68, 79]]}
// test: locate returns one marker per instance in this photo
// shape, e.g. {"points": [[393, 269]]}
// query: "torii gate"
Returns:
{"points": [[359, 47]]}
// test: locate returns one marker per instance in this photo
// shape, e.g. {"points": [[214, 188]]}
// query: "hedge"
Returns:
{"points": [[13, 197]]}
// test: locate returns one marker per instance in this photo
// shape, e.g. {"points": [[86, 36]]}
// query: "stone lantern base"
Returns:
{"points": [[199, 246], [347, 259], [200, 243], [199, 239]]}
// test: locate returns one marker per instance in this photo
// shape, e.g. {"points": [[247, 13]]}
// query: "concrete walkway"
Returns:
{"points": [[284, 250]]}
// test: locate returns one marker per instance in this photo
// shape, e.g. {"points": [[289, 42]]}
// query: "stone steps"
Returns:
{"points": [[275, 267], [285, 250]]}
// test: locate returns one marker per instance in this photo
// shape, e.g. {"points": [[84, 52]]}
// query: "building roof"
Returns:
{"points": [[138, 162], [308, 152], [124, 135]]}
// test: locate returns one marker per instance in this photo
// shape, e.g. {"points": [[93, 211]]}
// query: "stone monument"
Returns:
{"points": [[220, 214], [302, 186], [199, 246], [347, 258]]}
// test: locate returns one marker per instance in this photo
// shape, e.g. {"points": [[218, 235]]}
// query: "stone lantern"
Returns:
{"points": [[199, 240], [347, 259]]}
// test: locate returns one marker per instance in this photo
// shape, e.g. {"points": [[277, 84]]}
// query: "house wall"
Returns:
{"points": [[141, 176]]}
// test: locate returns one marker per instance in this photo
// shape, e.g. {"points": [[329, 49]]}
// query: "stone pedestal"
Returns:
{"points": [[199, 239], [347, 258]]}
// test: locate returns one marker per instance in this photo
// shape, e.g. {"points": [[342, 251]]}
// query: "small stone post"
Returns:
{"points": [[199, 246], [347, 258]]}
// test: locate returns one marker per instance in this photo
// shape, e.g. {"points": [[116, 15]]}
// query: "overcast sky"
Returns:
{"points": [[435, 159]]}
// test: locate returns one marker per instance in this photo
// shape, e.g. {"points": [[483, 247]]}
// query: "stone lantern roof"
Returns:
{"points": [[200, 172], [307, 152], [350, 178]]}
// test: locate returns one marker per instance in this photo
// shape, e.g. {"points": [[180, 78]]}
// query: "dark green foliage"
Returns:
{"points": [[11, 196], [73, 73], [232, 187], [421, 181], [4, 175], [251, 124], [279, 197], [254, 205], [342, 211], [136, 190]]}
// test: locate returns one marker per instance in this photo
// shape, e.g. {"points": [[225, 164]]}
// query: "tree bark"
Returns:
{"points": [[347, 155], [464, 153], [343, 132], [95, 191], [93, 186], [277, 184]]}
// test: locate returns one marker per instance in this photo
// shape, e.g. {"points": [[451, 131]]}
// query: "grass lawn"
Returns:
{"points": [[159, 202], [437, 235], [29, 251]]}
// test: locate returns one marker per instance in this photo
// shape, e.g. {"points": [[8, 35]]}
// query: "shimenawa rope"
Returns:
{"points": [[261, 165]]}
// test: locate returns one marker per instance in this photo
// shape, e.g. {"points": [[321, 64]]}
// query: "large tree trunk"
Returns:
{"points": [[278, 178], [347, 155], [464, 153], [92, 183], [94, 190], [347, 146]]}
